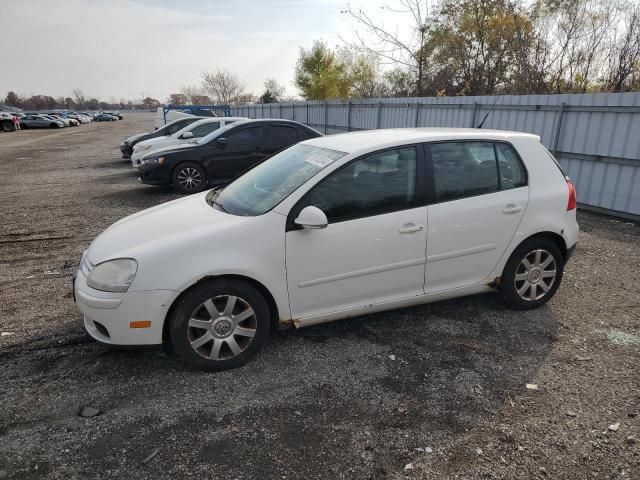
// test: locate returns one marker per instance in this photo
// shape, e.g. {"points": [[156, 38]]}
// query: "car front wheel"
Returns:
{"points": [[219, 324], [189, 177], [532, 274]]}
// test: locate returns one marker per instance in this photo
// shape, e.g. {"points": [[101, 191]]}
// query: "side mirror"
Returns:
{"points": [[222, 142], [186, 135], [311, 218]]}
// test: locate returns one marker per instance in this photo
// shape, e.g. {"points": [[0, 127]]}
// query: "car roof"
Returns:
{"points": [[380, 138]]}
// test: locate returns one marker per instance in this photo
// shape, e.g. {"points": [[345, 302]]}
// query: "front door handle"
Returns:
{"points": [[512, 208], [410, 228]]}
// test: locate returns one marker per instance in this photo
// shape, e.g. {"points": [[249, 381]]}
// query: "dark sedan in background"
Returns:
{"points": [[220, 156], [126, 147]]}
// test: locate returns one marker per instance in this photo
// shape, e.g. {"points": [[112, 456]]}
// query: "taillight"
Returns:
{"points": [[572, 204]]}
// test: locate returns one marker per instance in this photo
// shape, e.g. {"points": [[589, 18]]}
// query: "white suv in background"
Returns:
{"points": [[188, 134], [331, 228]]}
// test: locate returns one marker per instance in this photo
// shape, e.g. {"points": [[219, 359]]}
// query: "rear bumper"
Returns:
{"points": [[107, 316]]}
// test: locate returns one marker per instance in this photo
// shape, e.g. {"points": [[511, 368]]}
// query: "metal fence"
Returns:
{"points": [[596, 137]]}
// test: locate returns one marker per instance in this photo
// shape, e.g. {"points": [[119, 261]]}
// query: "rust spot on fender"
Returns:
{"points": [[494, 282]]}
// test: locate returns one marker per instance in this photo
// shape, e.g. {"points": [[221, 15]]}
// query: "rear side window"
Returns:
{"points": [[468, 169], [380, 183], [282, 135], [205, 129], [464, 169]]}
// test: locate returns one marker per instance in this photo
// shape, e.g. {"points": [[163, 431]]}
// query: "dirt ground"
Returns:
{"points": [[431, 392]]}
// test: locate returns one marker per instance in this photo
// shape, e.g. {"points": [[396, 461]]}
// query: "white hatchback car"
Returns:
{"points": [[331, 228], [188, 134]]}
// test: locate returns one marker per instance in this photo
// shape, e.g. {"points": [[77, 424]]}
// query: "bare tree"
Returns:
{"points": [[222, 86], [79, 98], [624, 55], [393, 46]]}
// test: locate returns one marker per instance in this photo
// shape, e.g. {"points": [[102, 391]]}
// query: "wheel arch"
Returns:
{"points": [[264, 291], [554, 237]]}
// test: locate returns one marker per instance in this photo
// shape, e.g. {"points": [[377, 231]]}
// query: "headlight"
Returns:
{"points": [[152, 160], [113, 275]]}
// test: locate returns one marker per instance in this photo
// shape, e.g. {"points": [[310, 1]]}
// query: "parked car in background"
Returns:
{"points": [[39, 121], [7, 122], [118, 115], [331, 228], [188, 134], [69, 122], [220, 156], [126, 147], [104, 117]]}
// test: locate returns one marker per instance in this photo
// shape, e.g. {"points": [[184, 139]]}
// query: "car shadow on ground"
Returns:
{"points": [[367, 392], [136, 195]]}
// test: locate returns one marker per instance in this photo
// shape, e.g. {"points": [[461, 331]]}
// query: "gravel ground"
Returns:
{"points": [[436, 391]]}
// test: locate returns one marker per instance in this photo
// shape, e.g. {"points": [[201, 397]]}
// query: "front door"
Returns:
{"points": [[481, 194], [244, 148], [373, 249]]}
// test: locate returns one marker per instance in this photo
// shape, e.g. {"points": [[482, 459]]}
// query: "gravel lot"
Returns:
{"points": [[437, 391]]}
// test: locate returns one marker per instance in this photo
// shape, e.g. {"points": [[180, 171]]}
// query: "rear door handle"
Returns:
{"points": [[410, 228], [512, 208]]}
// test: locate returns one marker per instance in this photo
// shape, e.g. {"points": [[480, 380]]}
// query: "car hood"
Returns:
{"points": [[134, 137], [145, 232], [150, 142], [172, 149]]}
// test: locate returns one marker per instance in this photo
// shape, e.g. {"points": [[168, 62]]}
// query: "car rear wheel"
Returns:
{"points": [[24, 126], [533, 274], [189, 177], [219, 324], [54, 125]]}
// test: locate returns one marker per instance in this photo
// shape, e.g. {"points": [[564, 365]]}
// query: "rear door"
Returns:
{"points": [[479, 197], [244, 148]]}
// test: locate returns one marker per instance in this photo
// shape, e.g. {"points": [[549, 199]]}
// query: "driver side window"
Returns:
{"points": [[379, 183]]}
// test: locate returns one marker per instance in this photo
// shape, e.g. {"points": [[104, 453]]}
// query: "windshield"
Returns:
{"points": [[263, 187]]}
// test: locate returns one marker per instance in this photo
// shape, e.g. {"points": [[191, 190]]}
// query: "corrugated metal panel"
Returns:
{"points": [[598, 135]]}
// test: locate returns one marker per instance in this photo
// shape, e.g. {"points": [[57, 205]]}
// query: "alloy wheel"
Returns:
{"points": [[189, 178], [222, 327], [535, 275]]}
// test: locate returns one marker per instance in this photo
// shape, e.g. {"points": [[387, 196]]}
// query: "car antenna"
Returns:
{"points": [[490, 110]]}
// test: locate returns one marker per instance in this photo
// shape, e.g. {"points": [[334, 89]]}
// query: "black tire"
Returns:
{"points": [[191, 307], [24, 126], [189, 177], [536, 286], [54, 125]]}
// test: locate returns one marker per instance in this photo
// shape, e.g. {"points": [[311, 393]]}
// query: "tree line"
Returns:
{"points": [[480, 47], [78, 101]]}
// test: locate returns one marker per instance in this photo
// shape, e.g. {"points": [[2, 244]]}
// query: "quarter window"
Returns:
{"points": [[379, 183], [512, 174]]}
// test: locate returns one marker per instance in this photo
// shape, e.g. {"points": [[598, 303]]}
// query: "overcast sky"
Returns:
{"points": [[127, 48]]}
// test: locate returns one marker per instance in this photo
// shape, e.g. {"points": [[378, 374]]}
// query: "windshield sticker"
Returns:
{"points": [[319, 160]]}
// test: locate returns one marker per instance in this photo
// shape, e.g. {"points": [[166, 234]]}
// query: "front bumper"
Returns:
{"points": [[155, 174], [126, 150], [107, 316]]}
